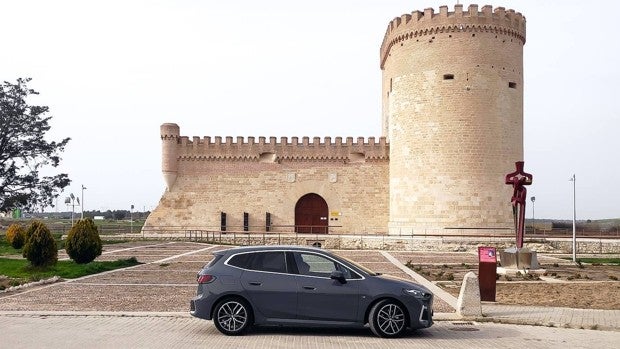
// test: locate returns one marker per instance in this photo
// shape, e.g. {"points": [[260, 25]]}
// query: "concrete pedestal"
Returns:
{"points": [[518, 258], [468, 303], [521, 260]]}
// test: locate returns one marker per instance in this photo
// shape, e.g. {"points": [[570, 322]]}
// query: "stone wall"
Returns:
{"points": [[351, 176], [400, 243], [453, 115]]}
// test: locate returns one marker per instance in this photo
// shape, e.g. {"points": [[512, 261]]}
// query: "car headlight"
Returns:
{"points": [[417, 293]]}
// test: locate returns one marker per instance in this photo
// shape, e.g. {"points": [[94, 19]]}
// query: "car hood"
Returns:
{"points": [[397, 281]]}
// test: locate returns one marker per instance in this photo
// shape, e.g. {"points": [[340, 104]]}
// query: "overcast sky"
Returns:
{"points": [[113, 71]]}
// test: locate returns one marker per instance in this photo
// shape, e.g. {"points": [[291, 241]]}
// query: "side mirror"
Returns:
{"points": [[338, 275]]}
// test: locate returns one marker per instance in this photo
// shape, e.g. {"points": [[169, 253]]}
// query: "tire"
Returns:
{"points": [[232, 316], [387, 319]]}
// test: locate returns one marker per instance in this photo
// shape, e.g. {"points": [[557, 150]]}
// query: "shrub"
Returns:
{"points": [[83, 243], [16, 236], [19, 239], [40, 248]]}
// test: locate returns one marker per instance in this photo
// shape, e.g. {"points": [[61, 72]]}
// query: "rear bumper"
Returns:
{"points": [[200, 308]]}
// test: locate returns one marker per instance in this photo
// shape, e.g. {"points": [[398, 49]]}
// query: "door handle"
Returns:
{"points": [[309, 288], [255, 283]]}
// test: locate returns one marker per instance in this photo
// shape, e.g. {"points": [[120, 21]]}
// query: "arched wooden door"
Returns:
{"points": [[311, 214]]}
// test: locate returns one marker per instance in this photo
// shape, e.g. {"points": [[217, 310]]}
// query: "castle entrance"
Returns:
{"points": [[311, 214]]}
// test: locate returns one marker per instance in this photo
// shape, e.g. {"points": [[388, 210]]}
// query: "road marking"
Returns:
{"points": [[183, 254], [135, 248]]}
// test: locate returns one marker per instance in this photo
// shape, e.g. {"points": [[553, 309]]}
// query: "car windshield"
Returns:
{"points": [[360, 267]]}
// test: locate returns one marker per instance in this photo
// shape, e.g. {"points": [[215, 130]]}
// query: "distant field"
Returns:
{"points": [[62, 226]]}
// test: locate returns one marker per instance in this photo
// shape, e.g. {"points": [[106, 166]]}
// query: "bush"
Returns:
{"points": [[83, 243], [19, 239], [16, 236], [40, 248]]}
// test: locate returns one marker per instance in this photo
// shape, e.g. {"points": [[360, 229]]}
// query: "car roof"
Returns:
{"points": [[271, 248]]}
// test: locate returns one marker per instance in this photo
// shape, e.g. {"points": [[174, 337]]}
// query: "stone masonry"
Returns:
{"points": [[452, 127]]}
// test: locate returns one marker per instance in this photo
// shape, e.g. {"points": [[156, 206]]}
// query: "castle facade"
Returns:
{"points": [[452, 127]]}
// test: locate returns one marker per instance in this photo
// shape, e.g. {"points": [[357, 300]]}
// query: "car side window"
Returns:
{"points": [[348, 273], [314, 265], [268, 261], [240, 260]]}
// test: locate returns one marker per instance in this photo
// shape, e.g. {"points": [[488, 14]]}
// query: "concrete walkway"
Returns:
{"points": [[592, 319], [149, 330]]}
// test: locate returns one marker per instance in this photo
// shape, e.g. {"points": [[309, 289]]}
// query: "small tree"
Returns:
{"points": [[83, 243], [16, 236], [19, 240], [40, 248]]}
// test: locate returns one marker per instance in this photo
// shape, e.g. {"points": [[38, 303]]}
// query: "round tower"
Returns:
{"points": [[453, 114], [169, 152]]}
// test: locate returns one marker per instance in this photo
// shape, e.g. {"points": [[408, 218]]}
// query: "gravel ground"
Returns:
{"points": [[167, 284]]}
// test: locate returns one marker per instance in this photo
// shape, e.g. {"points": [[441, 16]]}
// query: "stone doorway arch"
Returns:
{"points": [[311, 214]]}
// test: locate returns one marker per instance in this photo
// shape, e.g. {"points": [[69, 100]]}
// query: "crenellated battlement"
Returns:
{"points": [[428, 22], [275, 149]]}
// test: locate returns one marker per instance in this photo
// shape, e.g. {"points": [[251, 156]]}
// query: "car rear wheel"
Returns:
{"points": [[387, 319], [232, 316]]}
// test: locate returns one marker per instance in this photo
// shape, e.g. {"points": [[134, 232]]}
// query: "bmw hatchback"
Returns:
{"points": [[303, 286]]}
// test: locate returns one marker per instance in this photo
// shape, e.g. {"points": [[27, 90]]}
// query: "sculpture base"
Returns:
{"points": [[519, 259]]}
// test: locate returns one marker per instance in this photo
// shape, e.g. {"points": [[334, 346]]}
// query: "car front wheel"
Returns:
{"points": [[232, 317], [387, 319]]}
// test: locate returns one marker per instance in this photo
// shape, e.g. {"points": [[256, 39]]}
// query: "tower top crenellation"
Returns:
{"points": [[429, 22]]}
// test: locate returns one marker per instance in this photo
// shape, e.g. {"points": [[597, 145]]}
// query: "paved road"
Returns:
{"points": [[173, 330]]}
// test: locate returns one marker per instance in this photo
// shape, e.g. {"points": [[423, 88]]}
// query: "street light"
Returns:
{"points": [[533, 198], [572, 179], [82, 216], [71, 200]]}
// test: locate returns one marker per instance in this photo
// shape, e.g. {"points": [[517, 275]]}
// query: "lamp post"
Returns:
{"points": [[71, 199], [82, 216], [131, 219], [533, 198], [572, 179]]}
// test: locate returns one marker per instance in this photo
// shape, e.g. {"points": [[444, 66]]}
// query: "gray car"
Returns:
{"points": [[305, 286]]}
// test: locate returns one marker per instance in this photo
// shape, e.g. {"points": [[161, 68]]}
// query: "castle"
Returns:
{"points": [[452, 127]]}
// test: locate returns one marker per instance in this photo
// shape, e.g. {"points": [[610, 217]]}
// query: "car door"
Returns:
{"points": [[269, 285], [320, 297]]}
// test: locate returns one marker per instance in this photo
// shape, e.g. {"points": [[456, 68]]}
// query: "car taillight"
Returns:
{"points": [[205, 279]]}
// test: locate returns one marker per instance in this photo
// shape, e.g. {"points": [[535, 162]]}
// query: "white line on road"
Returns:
{"points": [[183, 254]]}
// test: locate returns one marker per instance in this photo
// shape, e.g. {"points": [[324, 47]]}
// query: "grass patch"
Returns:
{"points": [[6, 249], [602, 260], [21, 268]]}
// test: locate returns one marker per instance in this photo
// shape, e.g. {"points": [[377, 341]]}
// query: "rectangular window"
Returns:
{"points": [[512, 84]]}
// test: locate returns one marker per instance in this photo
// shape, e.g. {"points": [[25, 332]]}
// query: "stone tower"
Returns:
{"points": [[453, 115], [169, 153]]}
